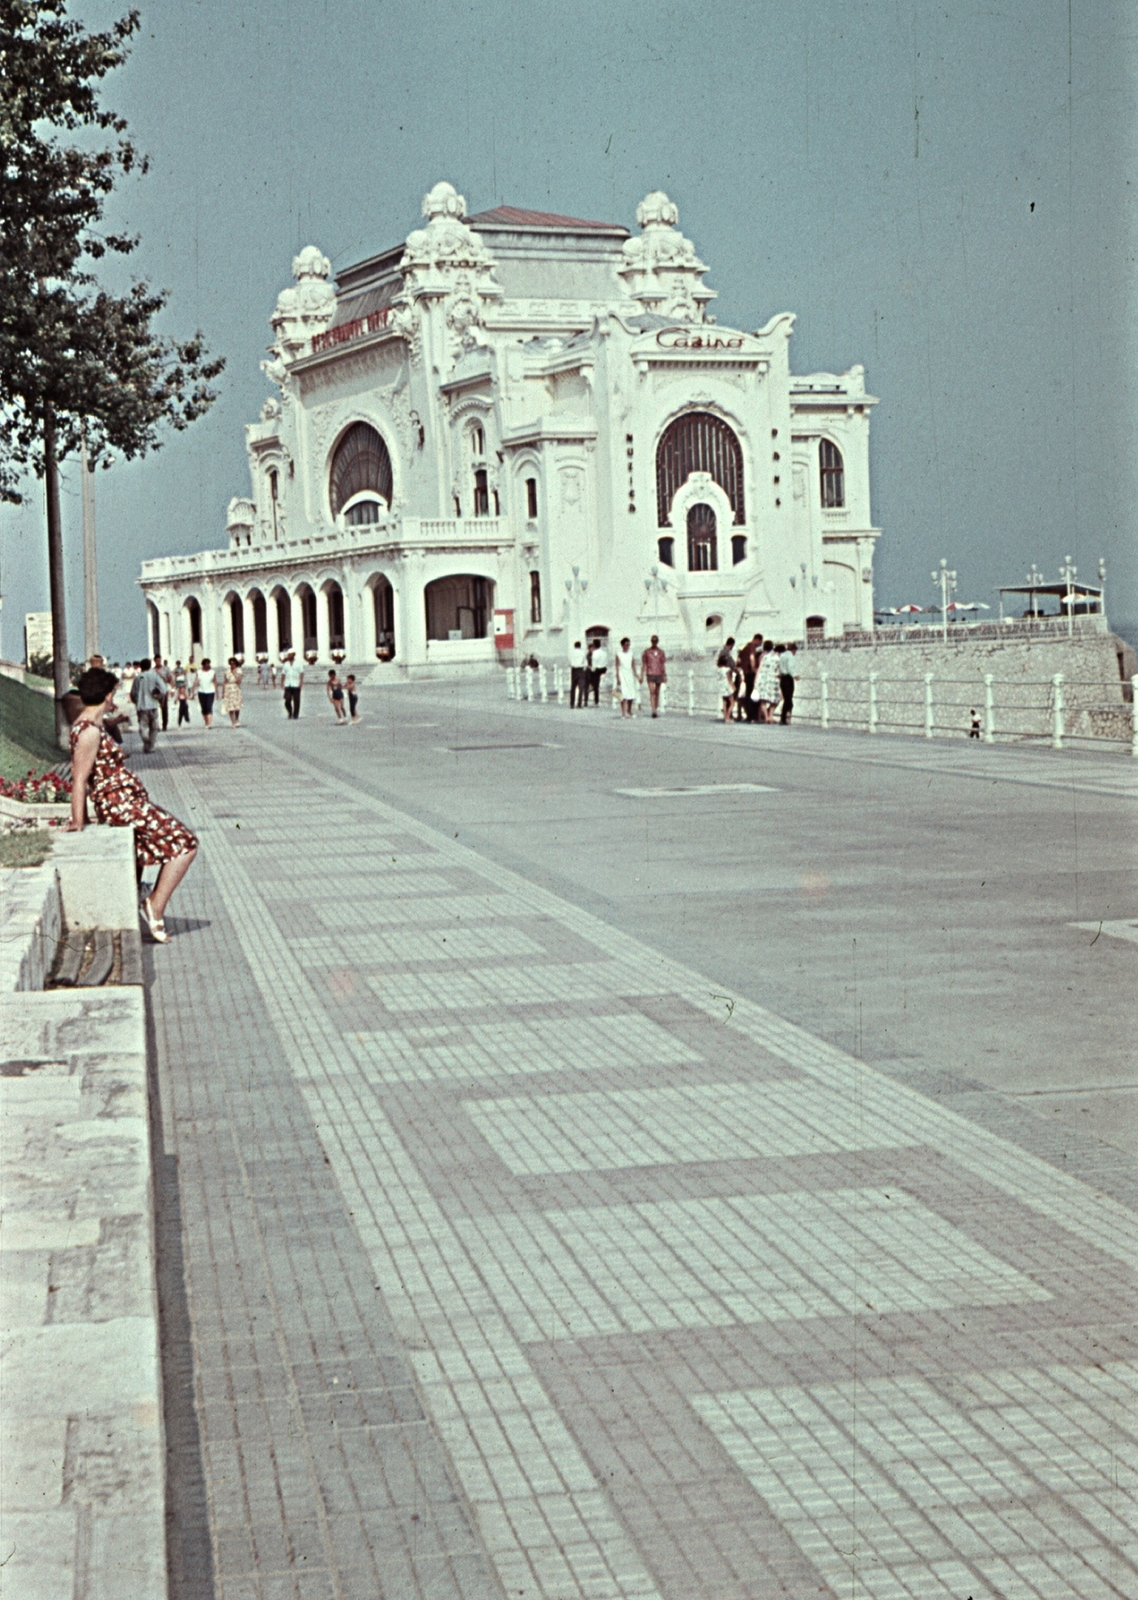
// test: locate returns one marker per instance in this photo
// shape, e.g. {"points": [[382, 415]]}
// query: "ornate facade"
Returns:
{"points": [[519, 428]]}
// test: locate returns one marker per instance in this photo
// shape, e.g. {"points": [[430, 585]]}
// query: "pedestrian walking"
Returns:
{"points": [[765, 692], [166, 677], [353, 696], [120, 800], [262, 674], [727, 665], [207, 690], [231, 696], [974, 729], [272, 674], [292, 678], [786, 665], [334, 689], [653, 670], [149, 693], [627, 681], [578, 669]]}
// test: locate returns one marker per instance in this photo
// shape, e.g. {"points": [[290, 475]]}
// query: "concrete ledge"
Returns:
{"points": [[81, 1440], [97, 880], [31, 921]]}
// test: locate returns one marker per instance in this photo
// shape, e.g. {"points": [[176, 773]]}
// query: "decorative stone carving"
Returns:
{"points": [[271, 410], [661, 268], [306, 310], [448, 261]]}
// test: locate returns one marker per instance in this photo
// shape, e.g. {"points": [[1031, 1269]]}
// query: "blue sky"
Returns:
{"points": [[942, 192]]}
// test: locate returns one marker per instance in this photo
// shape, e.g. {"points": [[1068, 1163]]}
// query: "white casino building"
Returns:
{"points": [[519, 428]]}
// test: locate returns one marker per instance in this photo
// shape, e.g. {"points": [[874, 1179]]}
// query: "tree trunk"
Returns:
{"points": [[61, 665]]}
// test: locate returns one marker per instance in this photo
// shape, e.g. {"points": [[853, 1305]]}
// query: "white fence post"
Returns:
{"points": [[559, 685], [1134, 716], [542, 694], [511, 683], [527, 690], [873, 702], [824, 678], [691, 692], [989, 710], [1057, 711], [928, 705]]}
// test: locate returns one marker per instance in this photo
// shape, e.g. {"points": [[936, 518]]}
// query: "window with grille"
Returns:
{"points": [[832, 474], [702, 551], [698, 442], [361, 462]]}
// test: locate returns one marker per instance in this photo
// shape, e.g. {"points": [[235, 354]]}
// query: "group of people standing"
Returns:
{"points": [[588, 666], [758, 680]]}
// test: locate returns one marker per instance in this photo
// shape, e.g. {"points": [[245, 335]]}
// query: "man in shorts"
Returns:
{"points": [[653, 669]]}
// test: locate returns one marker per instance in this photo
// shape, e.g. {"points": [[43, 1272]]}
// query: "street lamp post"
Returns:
{"points": [[1069, 572], [947, 580], [1102, 586], [1034, 578]]}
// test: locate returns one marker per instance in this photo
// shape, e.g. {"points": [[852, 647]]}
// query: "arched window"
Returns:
{"points": [[361, 464], [832, 475], [698, 442], [703, 554], [477, 441], [274, 496], [531, 499]]}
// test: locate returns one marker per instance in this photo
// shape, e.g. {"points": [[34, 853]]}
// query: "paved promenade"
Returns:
{"points": [[507, 1254]]}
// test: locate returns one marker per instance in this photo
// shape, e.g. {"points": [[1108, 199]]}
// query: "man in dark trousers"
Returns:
{"points": [[786, 681], [749, 665], [578, 674]]}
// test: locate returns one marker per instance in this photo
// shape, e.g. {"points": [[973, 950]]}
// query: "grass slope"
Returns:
{"points": [[27, 730]]}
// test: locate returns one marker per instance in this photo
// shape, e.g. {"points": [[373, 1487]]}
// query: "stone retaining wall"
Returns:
{"points": [[82, 1503]]}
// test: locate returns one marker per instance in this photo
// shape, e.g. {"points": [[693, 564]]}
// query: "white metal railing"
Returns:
{"points": [[1058, 709]]}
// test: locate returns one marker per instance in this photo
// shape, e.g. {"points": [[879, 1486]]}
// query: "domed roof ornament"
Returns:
{"points": [[308, 308], [444, 201], [661, 268]]}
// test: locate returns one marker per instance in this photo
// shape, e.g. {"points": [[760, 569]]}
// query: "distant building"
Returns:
{"points": [[37, 636], [527, 424]]}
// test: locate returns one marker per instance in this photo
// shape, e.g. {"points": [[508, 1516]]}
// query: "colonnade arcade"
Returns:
{"points": [[317, 619]]}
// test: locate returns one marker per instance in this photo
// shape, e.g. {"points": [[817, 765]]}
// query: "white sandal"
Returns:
{"points": [[155, 924]]}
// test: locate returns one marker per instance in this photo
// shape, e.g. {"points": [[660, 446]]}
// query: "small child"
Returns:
{"points": [[353, 695], [974, 731], [335, 692]]}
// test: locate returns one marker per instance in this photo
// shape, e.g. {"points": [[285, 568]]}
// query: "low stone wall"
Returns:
{"points": [[82, 1503]]}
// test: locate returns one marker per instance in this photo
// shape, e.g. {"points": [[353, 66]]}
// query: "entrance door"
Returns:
{"points": [[702, 553]]}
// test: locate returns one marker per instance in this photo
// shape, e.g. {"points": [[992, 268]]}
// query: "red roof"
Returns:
{"points": [[513, 215]]}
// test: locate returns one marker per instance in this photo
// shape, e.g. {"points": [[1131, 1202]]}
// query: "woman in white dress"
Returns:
{"points": [[627, 682], [766, 684]]}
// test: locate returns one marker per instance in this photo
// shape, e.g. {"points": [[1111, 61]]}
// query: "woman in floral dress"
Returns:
{"points": [[98, 769], [231, 700]]}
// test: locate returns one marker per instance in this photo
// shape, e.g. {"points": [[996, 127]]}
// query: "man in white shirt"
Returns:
{"points": [[598, 666], [293, 676], [786, 681]]}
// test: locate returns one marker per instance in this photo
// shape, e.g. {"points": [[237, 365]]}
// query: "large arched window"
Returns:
{"points": [[360, 465], [832, 475], [698, 442]]}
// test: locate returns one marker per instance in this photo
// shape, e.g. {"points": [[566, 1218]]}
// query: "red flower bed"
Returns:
{"points": [[37, 788]]}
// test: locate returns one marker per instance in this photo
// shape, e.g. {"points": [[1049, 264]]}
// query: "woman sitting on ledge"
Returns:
{"points": [[119, 799]]}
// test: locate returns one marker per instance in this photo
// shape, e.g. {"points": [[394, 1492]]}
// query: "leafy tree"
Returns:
{"points": [[75, 360]]}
